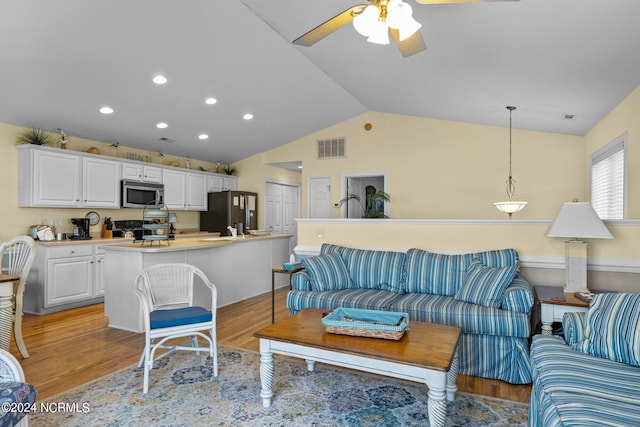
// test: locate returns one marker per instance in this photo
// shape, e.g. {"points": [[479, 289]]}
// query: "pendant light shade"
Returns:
{"points": [[510, 206]]}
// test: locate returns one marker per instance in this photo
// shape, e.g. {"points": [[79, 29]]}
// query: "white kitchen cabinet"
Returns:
{"points": [[57, 178], [69, 280], [138, 172], [101, 183], [66, 275], [196, 192], [48, 178], [216, 183], [229, 183], [185, 190]]}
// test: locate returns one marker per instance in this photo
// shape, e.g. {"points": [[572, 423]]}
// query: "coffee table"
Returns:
{"points": [[427, 354]]}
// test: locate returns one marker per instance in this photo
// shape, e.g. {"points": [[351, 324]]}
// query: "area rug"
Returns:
{"points": [[182, 392]]}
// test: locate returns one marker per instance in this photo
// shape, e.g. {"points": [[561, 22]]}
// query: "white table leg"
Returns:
{"points": [[266, 373], [437, 406], [547, 328], [452, 378], [311, 364], [6, 314]]}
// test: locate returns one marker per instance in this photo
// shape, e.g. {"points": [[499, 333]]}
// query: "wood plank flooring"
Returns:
{"points": [[73, 347]]}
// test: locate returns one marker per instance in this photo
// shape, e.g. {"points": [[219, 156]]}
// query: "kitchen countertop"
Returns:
{"points": [[97, 239], [185, 244]]}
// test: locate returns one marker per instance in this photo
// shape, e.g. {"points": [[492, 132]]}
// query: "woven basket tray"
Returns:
{"points": [[367, 323]]}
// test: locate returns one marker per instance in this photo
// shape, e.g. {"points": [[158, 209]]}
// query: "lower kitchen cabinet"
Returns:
{"points": [[65, 275]]}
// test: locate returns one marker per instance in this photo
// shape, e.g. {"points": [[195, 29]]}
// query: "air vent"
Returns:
{"points": [[331, 148]]}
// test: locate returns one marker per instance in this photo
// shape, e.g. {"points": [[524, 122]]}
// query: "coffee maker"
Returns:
{"points": [[80, 229]]}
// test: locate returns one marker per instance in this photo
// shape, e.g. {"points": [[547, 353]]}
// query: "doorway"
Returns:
{"points": [[361, 184]]}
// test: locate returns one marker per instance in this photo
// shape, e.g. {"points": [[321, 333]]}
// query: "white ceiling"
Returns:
{"points": [[61, 61]]}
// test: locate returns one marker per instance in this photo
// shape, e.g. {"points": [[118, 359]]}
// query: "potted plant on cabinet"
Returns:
{"points": [[34, 136]]}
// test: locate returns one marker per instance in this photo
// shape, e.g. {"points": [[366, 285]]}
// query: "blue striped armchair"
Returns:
{"points": [[480, 292], [591, 377]]}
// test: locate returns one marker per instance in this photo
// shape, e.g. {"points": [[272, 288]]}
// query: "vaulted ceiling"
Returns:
{"points": [[61, 61]]}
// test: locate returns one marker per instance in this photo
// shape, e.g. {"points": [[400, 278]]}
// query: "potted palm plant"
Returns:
{"points": [[374, 203]]}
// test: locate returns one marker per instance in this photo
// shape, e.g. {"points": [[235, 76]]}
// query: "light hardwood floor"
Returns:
{"points": [[73, 347]]}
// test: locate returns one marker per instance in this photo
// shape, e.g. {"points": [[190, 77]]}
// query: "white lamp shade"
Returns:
{"points": [[365, 22], [510, 206], [379, 33], [578, 220], [400, 17]]}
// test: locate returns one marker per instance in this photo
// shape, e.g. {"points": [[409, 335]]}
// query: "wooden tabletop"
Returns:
{"points": [[8, 278], [425, 345], [556, 295]]}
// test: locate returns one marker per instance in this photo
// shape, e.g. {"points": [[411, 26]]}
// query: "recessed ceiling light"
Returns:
{"points": [[159, 80], [248, 116], [210, 101], [203, 136], [162, 125], [106, 110]]}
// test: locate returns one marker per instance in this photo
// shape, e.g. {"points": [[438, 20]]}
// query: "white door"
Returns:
{"points": [[273, 212], [319, 197], [355, 207], [291, 209]]}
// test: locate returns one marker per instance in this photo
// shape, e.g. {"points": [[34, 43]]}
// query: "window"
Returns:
{"points": [[608, 179]]}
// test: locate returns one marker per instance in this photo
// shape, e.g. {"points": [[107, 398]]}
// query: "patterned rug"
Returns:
{"points": [[182, 393]]}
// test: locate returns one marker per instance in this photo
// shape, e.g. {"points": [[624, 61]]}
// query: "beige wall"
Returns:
{"points": [[623, 118], [446, 169]]}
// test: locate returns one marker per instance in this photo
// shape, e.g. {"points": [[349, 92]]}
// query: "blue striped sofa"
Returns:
{"points": [[432, 287], [574, 387]]}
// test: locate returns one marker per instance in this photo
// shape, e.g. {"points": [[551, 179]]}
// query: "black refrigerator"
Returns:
{"points": [[238, 209]]}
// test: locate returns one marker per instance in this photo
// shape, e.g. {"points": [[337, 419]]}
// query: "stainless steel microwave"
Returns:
{"points": [[135, 194]]}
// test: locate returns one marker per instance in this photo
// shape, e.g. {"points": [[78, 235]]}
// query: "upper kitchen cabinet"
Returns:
{"points": [[138, 172], [216, 183], [184, 190], [100, 183], [55, 178]]}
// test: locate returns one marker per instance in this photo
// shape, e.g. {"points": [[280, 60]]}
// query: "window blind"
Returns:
{"points": [[608, 180]]}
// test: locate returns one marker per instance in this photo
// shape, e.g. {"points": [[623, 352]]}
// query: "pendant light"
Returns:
{"points": [[510, 206]]}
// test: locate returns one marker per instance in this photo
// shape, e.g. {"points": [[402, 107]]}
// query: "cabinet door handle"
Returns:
{"points": [[73, 252]]}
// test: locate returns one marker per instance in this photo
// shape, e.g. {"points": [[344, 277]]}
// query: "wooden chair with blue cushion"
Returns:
{"points": [[166, 293]]}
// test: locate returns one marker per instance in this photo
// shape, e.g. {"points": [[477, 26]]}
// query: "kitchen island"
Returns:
{"points": [[240, 268]]}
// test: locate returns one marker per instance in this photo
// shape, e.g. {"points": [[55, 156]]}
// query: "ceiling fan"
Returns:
{"points": [[377, 20]]}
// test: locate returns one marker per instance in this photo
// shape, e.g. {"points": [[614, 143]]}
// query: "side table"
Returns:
{"points": [[273, 286], [6, 309], [554, 303]]}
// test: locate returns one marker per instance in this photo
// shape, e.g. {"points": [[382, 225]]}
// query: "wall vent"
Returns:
{"points": [[331, 148]]}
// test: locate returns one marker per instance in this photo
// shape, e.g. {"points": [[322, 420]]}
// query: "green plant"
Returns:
{"points": [[228, 169], [374, 203], [35, 136]]}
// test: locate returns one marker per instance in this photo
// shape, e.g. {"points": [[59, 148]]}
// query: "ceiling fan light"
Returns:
{"points": [[366, 21], [380, 33], [408, 28]]}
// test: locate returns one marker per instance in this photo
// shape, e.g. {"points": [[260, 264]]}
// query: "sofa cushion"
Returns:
{"points": [[434, 273], [330, 248], [327, 272], [485, 285], [498, 257], [472, 318], [612, 328], [371, 269]]}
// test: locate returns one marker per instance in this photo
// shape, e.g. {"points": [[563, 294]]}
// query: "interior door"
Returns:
{"points": [[319, 197]]}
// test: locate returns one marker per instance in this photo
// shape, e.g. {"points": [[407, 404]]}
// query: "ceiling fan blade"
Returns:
{"points": [[328, 27], [409, 46], [455, 1]]}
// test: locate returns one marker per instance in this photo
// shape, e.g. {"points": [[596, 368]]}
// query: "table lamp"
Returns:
{"points": [[577, 220], [172, 218]]}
